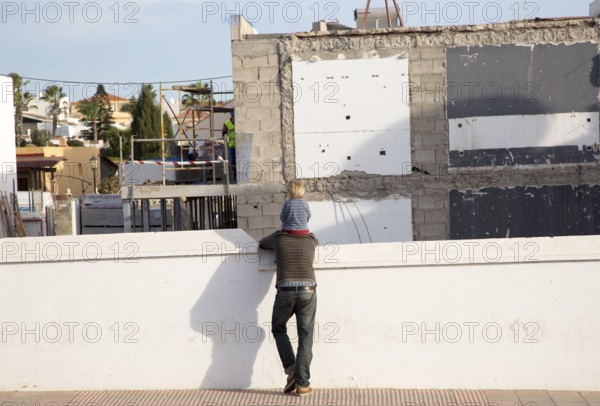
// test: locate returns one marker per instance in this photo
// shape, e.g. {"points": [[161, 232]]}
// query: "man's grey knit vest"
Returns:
{"points": [[295, 254]]}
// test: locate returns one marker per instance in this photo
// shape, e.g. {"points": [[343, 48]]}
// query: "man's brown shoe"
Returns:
{"points": [[303, 391], [291, 383]]}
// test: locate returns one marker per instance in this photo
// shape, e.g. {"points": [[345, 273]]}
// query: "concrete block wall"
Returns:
{"points": [[429, 139], [258, 214], [258, 111], [431, 180]]}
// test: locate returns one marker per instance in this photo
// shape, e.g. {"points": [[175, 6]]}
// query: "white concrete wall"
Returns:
{"points": [[351, 115], [192, 310], [362, 221], [8, 154]]}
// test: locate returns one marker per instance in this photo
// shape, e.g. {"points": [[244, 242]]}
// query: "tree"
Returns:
{"points": [[97, 113], [146, 123], [21, 102], [75, 143], [54, 95], [168, 126], [39, 138], [105, 118], [90, 110], [191, 100], [109, 185], [111, 148]]}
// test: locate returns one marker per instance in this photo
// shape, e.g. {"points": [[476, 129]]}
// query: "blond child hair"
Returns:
{"points": [[296, 189]]}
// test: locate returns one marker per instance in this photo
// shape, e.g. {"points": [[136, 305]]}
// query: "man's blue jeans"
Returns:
{"points": [[304, 306]]}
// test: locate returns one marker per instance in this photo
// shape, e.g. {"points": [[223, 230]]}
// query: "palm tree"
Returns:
{"points": [[90, 110], [21, 101], [53, 95], [188, 100]]}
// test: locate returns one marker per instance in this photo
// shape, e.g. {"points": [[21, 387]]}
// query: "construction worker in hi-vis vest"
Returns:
{"points": [[229, 134]]}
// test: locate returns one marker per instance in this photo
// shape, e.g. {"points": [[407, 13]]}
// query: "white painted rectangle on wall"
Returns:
{"points": [[544, 130], [8, 154], [362, 222], [351, 115]]}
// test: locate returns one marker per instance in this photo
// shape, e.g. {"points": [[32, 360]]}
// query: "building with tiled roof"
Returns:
{"points": [[122, 119]]}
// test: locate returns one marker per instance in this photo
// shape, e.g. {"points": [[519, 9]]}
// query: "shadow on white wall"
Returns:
{"points": [[226, 314]]}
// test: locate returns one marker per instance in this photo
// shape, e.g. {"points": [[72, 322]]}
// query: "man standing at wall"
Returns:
{"points": [[296, 294], [229, 136]]}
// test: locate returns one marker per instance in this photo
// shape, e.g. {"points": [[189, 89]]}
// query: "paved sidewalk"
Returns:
{"points": [[321, 397]]}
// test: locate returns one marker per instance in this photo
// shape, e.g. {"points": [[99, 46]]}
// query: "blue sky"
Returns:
{"points": [[181, 40]]}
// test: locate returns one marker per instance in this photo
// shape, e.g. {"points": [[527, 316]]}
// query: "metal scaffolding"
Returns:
{"points": [[189, 212], [188, 133]]}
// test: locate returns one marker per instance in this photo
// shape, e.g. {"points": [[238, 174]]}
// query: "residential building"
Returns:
{"points": [[67, 128], [122, 120], [60, 170]]}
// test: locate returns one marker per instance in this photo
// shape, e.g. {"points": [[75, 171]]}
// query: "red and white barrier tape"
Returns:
{"points": [[176, 163]]}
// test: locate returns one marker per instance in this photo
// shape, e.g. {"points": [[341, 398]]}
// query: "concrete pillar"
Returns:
{"points": [[595, 8]]}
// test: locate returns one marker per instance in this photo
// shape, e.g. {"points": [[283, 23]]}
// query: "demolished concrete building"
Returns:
{"points": [[424, 133]]}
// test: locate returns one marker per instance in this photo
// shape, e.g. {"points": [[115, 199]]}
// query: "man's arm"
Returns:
{"points": [[268, 242]]}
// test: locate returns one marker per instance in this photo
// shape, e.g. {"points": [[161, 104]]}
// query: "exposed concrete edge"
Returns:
{"points": [[512, 25]]}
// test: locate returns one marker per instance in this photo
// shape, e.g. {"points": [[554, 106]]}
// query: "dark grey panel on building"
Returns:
{"points": [[521, 80], [525, 212], [523, 105]]}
